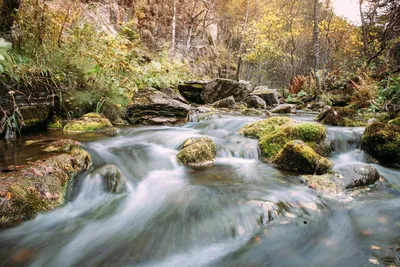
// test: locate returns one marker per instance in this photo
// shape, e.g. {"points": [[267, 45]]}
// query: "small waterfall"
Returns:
{"points": [[344, 139]]}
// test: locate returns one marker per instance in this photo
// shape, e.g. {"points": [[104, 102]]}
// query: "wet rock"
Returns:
{"points": [[338, 116], [357, 175], [267, 126], [270, 96], [297, 156], [382, 141], [228, 102], [254, 112], [197, 152], [212, 91], [114, 181], [256, 102], [154, 107], [284, 109], [89, 123], [41, 185], [62, 146]]}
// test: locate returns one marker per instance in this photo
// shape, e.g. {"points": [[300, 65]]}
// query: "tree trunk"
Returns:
{"points": [[173, 26], [239, 64], [316, 48], [363, 30], [7, 16]]}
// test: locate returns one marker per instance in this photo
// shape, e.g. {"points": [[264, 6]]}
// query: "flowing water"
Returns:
{"points": [[238, 212]]}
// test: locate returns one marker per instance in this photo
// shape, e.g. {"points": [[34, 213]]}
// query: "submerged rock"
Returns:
{"points": [[214, 90], [256, 102], [228, 102], [114, 181], [284, 109], [256, 129], [382, 141], [297, 156], [151, 106], [270, 96], [89, 123], [338, 116], [40, 186], [197, 152]]}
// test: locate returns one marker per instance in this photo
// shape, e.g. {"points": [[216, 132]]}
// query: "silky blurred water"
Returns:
{"points": [[237, 212]]}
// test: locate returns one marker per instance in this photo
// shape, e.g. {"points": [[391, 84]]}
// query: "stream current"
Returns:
{"points": [[237, 212]]}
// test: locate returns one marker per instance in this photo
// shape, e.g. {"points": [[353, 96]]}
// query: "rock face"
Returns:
{"points": [[338, 116], [174, 94], [256, 102], [197, 152], [41, 185], [382, 141], [228, 102], [284, 109], [212, 91], [154, 107], [297, 156], [91, 122], [270, 96], [113, 180], [357, 175]]}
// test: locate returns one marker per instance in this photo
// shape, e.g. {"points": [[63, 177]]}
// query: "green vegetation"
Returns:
{"points": [[265, 127]]}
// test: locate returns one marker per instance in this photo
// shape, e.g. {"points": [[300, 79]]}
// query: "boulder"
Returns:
{"points": [[214, 90], [338, 116], [228, 102], [357, 175], [197, 152], [284, 109], [256, 102], [297, 156], [113, 180], [270, 96], [382, 141], [41, 185], [267, 126], [174, 94], [34, 117], [89, 123], [151, 106]]}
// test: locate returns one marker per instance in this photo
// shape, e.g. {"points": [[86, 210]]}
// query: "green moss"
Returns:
{"points": [[312, 133], [34, 116], [197, 152], [91, 122], [55, 125], [395, 121], [263, 127]]}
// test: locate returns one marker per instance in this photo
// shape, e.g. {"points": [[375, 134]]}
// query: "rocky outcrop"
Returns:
{"points": [[212, 91], [297, 156], [253, 101], [113, 180], [284, 109], [91, 122], [228, 102], [41, 185], [197, 152], [338, 116], [270, 96], [151, 106], [382, 141]]}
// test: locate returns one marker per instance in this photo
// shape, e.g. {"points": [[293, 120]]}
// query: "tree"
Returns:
{"points": [[8, 10]]}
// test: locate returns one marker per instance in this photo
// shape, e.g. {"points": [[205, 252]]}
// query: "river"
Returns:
{"points": [[237, 212]]}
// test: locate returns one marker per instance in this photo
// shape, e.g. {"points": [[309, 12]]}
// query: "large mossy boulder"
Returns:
{"points": [[228, 102], [284, 109], [150, 106], [34, 117], [312, 133], [214, 90], [112, 178], [41, 185], [253, 101], [338, 116], [297, 156], [197, 152], [270, 96], [90, 123], [382, 141], [267, 126]]}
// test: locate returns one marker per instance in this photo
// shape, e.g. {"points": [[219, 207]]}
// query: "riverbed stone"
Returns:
{"points": [[89, 123], [113, 180], [357, 175], [382, 141], [41, 185], [256, 102], [150, 106], [297, 156], [197, 152], [284, 109], [228, 102], [270, 96]]}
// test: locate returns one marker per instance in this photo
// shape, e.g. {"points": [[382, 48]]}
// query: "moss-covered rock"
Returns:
{"points": [[197, 152], [253, 112], [272, 142], [263, 127], [382, 141], [91, 122], [339, 116], [285, 109], [41, 185], [297, 156]]}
